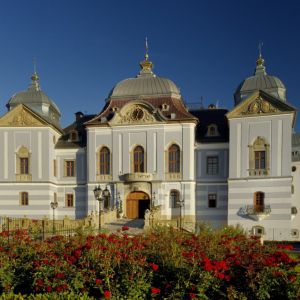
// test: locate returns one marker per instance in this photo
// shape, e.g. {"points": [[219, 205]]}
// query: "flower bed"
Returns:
{"points": [[163, 264]]}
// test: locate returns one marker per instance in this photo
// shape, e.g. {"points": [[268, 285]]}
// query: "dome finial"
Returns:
{"points": [[260, 61], [260, 68], [34, 78], [147, 48], [146, 65]]}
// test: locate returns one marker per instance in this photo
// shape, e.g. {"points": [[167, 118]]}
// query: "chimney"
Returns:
{"points": [[78, 116]]}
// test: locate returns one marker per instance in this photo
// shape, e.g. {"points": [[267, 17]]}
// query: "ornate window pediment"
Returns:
{"points": [[259, 157]]}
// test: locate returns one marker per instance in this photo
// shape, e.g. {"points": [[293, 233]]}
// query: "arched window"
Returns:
{"points": [[138, 159], [259, 157], [23, 198], [258, 202], [104, 161], [174, 159], [174, 198]]}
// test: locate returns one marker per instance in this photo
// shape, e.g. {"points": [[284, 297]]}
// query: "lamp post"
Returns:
{"points": [[101, 195], [98, 195], [53, 205]]}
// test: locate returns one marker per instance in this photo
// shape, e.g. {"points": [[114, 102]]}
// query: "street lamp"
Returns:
{"points": [[53, 205], [101, 195], [98, 195]]}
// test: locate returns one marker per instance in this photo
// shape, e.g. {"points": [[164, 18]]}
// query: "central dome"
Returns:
{"points": [[145, 84]]}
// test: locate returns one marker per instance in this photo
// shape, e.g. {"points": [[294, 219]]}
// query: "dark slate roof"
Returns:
{"points": [[211, 116], [65, 141]]}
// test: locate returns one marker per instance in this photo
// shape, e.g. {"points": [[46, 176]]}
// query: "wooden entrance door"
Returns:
{"points": [[132, 204]]}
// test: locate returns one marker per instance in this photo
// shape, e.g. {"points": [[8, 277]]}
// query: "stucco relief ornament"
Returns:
{"points": [[23, 119], [260, 106], [137, 115]]}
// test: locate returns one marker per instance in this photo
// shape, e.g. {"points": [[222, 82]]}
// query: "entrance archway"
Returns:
{"points": [[136, 204]]}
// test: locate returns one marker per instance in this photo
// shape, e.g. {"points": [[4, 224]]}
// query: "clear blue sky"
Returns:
{"points": [[83, 48]]}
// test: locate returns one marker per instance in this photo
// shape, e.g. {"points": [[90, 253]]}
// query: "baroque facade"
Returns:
{"points": [[149, 150]]}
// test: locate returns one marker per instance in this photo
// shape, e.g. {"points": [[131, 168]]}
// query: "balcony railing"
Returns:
{"points": [[173, 176], [103, 177], [134, 177], [257, 213], [258, 172], [23, 177]]}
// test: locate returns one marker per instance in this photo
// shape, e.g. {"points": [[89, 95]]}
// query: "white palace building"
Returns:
{"points": [[222, 167]]}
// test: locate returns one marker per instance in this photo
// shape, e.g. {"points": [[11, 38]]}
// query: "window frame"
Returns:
{"points": [[139, 163], [71, 195], [212, 167], [212, 197], [259, 202], [24, 165], [24, 199], [67, 172], [174, 159], [104, 164]]}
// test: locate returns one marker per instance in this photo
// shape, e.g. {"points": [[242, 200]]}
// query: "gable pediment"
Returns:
{"points": [[137, 113], [260, 103], [21, 116]]}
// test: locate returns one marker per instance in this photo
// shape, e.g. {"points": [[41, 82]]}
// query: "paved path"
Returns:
{"points": [[135, 225]]}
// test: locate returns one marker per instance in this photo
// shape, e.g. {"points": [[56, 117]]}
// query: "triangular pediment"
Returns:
{"points": [[260, 103], [22, 116], [137, 113]]}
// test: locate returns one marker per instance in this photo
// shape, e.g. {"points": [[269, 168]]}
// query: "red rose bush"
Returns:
{"points": [[162, 264]]}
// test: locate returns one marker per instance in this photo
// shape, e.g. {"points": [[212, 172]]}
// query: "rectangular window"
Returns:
{"points": [[24, 165], [69, 200], [24, 198], [260, 159], [54, 168], [212, 165], [212, 200], [69, 168]]}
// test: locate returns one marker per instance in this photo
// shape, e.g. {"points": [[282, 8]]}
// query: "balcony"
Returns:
{"points": [[134, 177], [173, 176], [103, 177], [23, 177], [255, 213], [258, 172]]}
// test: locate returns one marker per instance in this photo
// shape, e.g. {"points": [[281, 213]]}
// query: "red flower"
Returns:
{"points": [[153, 266], [155, 291], [77, 253], [60, 275], [193, 295], [124, 228], [40, 282], [48, 289], [98, 281], [107, 294]]}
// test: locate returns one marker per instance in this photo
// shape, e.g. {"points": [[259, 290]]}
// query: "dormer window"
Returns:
{"points": [[212, 130], [165, 107], [74, 136]]}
